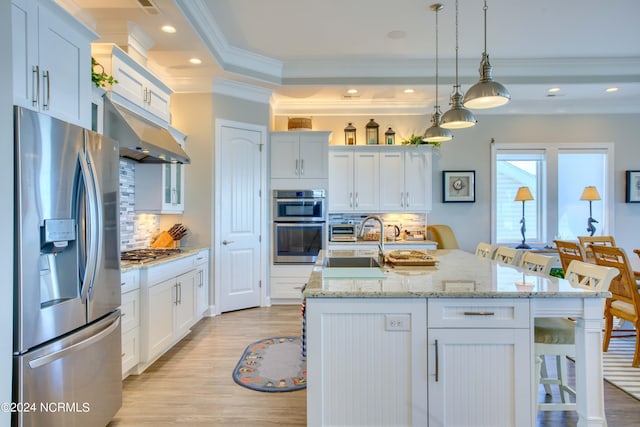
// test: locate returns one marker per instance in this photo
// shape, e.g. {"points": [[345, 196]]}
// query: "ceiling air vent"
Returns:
{"points": [[149, 7]]}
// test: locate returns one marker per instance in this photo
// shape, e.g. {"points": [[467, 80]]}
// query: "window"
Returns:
{"points": [[556, 175]]}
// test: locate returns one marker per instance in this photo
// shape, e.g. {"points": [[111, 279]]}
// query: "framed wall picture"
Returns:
{"points": [[633, 187], [458, 186]]}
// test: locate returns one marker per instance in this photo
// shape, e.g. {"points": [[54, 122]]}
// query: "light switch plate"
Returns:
{"points": [[397, 322]]}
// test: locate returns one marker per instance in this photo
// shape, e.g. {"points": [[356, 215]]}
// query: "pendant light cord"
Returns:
{"points": [[484, 8], [437, 106], [457, 85]]}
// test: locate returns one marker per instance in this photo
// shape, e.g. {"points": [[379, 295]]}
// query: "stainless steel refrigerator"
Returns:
{"points": [[66, 334]]}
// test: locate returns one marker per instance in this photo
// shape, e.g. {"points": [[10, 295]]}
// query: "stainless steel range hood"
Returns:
{"points": [[139, 138]]}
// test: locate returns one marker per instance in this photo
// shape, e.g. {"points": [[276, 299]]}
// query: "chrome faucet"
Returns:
{"points": [[381, 241]]}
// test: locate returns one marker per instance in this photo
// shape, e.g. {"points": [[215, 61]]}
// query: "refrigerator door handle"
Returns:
{"points": [[44, 360], [95, 196], [90, 271]]}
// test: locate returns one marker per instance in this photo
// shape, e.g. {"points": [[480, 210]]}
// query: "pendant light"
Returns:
{"points": [[435, 133], [486, 93], [457, 117]]}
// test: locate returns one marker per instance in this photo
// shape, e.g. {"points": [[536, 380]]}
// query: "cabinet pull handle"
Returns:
{"points": [[174, 196], [35, 85], [479, 313], [401, 199], [175, 301], [150, 97], [46, 75], [180, 287], [437, 365], [351, 199], [408, 199], [357, 200], [297, 166], [301, 166]]}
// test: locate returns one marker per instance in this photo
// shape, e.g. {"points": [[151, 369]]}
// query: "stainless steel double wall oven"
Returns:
{"points": [[299, 225]]}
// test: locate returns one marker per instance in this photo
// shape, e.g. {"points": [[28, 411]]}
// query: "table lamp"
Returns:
{"points": [[590, 193], [523, 195]]}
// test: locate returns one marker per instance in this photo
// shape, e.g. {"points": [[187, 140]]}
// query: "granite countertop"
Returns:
{"points": [[458, 274], [386, 242], [186, 252]]}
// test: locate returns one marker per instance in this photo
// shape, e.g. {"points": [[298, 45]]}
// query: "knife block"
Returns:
{"points": [[164, 240]]}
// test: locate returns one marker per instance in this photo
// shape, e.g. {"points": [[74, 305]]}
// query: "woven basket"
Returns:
{"points": [[299, 123]]}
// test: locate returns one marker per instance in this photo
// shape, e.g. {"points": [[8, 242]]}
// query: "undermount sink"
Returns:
{"points": [[350, 262], [352, 268]]}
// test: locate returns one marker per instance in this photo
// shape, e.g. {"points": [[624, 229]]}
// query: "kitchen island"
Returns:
{"points": [[444, 345]]}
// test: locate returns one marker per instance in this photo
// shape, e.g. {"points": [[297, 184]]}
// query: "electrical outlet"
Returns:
{"points": [[397, 322]]}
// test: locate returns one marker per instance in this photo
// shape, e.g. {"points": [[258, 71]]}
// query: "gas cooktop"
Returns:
{"points": [[141, 256]]}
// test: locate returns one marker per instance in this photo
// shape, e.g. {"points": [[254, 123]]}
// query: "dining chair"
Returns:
{"points": [[624, 302], [536, 262], [556, 336], [506, 255], [569, 251], [444, 236], [485, 250], [587, 241]]}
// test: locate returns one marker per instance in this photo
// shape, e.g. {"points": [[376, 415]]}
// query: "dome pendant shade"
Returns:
{"points": [[486, 93], [457, 117], [436, 133]]}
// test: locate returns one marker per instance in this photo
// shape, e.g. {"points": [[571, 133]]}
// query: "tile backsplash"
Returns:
{"points": [[136, 229], [405, 221]]}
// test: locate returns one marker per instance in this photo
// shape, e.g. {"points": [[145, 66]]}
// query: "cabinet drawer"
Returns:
{"points": [[130, 308], [477, 313], [130, 349], [129, 280]]}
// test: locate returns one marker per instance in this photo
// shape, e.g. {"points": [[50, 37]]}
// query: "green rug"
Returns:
{"points": [[272, 365]]}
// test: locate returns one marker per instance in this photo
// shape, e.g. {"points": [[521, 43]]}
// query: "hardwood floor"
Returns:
{"points": [[191, 385]]}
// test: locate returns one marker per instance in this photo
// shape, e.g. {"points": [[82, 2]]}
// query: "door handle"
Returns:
{"points": [[226, 242], [35, 85]]}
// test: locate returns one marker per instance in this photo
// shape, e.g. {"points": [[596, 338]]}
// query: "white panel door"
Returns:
{"points": [[240, 218], [313, 156], [285, 153], [366, 181], [392, 197], [341, 194], [487, 369], [417, 181]]}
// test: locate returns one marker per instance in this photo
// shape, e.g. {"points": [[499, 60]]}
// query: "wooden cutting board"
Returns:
{"points": [[411, 258]]}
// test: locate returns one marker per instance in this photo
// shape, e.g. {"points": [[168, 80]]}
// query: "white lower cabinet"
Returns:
{"points": [[130, 320], [130, 308], [172, 311], [479, 363], [170, 300], [419, 362], [368, 360], [287, 282], [202, 284]]}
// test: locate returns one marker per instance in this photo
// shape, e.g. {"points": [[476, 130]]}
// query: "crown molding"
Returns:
{"points": [[229, 58], [236, 89]]}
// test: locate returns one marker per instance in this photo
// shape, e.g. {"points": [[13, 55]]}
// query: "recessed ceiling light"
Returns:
{"points": [[196, 61], [612, 89], [554, 90], [352, 91], [168, 29], [409, 90]]}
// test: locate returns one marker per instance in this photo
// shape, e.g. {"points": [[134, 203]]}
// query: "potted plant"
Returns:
{"points": [[417, 140], [98, 76]]}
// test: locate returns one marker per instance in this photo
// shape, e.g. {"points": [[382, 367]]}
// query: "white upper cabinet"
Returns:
{"points": [[137, 89], [353, 181], [168, 198], [51, 61], [299, 154], [379, 179], [405, 180]]}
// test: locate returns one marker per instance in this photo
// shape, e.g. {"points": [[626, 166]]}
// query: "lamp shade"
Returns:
{"points": [[590, 193], [523, 195]]}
